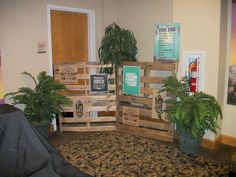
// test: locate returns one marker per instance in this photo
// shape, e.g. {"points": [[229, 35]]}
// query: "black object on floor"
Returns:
{"points": [[26, 153]]}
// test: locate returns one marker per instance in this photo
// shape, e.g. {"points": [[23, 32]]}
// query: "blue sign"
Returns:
{"points": [[166, 44]]}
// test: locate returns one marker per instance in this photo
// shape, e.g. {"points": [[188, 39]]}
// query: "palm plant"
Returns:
{"points": [[41, 102], [117, 45]]}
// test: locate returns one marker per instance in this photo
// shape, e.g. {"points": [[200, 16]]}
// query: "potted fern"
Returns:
{"points": [[192, 114], [117, 45], [42, 102]]}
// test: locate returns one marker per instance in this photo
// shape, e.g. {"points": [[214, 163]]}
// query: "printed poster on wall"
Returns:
{"points": [[231, 96], [166, 42], [194, 68], [98, 83], [131, 80], [1, 82]]}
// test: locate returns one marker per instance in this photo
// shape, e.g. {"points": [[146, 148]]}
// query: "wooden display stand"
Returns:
{"points": [[144, 118], [94, 105]]}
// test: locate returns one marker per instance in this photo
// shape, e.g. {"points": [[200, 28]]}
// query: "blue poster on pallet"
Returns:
{"points": [[166, 43]]}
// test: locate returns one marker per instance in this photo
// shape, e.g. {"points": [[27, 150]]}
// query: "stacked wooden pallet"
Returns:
{"points": [[91, 110], [140, 114]]}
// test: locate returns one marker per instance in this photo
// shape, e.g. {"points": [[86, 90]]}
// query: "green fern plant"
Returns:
{"points": [[117, 45], [41, 102], [192, 113]]}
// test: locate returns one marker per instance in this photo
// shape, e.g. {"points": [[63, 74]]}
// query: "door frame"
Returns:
{"points": [[91, 36], [91, 31]]}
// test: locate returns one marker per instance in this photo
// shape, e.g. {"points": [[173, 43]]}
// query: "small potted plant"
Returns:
{"points": [[117, 45], [42, 102], [192, 113]]}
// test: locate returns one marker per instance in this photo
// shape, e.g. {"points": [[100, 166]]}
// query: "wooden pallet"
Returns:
{"points": [[91, 111], [148, 104]]}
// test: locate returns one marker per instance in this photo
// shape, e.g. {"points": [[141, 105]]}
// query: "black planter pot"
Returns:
{"points": [[188, 144], [43, 129]]}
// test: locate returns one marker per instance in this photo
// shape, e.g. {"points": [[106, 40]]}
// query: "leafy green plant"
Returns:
{"points": [[41, 102], [192, 113], [117, 45]]}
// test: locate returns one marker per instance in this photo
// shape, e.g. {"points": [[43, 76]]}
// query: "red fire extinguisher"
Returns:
{"points": [[193, 76]]}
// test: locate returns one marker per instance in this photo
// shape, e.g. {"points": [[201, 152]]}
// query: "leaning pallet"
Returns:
{"points": [[141, 114], [92, 94]]}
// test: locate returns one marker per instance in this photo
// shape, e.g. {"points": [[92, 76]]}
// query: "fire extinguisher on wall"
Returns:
{"points": [[193, 76]]}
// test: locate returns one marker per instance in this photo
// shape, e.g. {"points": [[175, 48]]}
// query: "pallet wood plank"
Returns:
{"points": [[98, 65], [86, 88], [101, 97], [145, 132], [143, 90], [89, 119], [142, 111], [153, 66], [135, 99], [147, 79], [89, 128], [87, 76], [100, 108], [155, 125]]}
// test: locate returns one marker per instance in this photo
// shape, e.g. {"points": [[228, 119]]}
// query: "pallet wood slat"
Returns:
{"points": [[142, 111], [154, 125], [87, 87], [143, 90], [100, 108], [153, 66], [89, 128], [145, 132], [89, 119], [97, 65], [147, 79], [101, 97], [87, 104], [135, 99], [87, 76]]}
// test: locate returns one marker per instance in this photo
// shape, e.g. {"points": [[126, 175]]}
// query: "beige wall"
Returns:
{"points": [[204, 27], [23, 24], [109, 13], [200, 30], [141, 16]]}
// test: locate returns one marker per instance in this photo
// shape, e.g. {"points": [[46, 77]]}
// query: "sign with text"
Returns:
{"points": [[130, 116], [166, 42], [131, 80], [98, 83], [66, 73]]}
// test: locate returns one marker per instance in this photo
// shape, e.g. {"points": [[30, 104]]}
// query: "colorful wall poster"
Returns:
{"points": [[131, 80], [231, 96], [194, 68], [167, 42], [98, 83], [1, 82]]}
